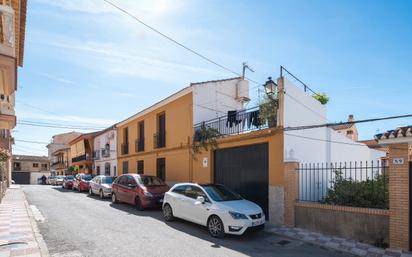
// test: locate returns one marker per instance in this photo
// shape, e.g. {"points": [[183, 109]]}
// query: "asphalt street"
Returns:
{"points": [[76, 224]]}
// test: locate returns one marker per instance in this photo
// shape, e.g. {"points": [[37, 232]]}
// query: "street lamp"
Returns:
{"points": [[270, 88]]}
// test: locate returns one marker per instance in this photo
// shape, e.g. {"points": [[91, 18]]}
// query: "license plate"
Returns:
{"points": [[257, 223]]}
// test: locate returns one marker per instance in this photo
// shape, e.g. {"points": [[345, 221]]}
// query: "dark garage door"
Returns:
{"points": [[21, 177], [245, 170]]}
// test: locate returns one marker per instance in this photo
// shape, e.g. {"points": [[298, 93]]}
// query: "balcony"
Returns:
{"points": [[7, 44], [159, 140], [59, 165], [8, 61], [237, 122], [124, 148], [5, 139], [139, 145], [84, 157], [105, 153]]}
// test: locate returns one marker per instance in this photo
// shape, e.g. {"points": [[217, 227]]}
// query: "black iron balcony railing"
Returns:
{"points": [[105, 153], [238, 122], [159, 140], [83, 157], [125, 148], [139, 145]]}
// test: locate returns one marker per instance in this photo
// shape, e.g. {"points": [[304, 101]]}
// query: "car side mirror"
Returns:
{"points": [[200, 200]]}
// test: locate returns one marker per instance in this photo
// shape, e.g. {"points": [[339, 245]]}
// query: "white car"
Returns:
{"points": [[214, 206]]}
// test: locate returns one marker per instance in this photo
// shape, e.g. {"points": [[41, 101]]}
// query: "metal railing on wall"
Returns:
{"points": [[235, 122], [357, 184]]}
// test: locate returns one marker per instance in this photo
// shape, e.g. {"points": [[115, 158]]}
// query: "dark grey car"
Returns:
{"points": [[101, 185]]}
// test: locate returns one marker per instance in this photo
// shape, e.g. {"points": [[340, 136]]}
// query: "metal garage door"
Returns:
{"points": [[21, 177], [245, 170]]}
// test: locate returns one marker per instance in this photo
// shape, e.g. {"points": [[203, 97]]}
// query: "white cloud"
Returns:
{"points": [[59, 79], [66, 119]]}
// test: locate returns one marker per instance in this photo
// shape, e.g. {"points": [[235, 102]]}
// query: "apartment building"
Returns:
{"points": [[59, 153], [12, 34], [105, 152], [27, 169], [81, 152]]}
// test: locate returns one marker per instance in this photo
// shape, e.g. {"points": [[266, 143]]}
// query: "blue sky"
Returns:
{"points": [[87, 64]]}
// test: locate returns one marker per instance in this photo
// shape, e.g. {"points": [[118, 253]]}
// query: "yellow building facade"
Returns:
{"points": [[174, 160]]}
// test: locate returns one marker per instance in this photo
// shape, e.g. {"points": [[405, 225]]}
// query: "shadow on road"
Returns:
{"points": [[236, 243]]}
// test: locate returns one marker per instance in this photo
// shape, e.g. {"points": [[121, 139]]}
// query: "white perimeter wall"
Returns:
{"points": [[214, 99], [309, 146], [36, 175], [99, 143]]}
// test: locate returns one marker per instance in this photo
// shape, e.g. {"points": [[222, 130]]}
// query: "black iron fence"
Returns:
{"points": [[159, 139], [139, 145], [358, 184], [237, 122]]}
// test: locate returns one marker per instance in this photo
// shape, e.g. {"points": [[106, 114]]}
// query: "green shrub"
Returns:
{"points": [[321, 97], [368, 193]]}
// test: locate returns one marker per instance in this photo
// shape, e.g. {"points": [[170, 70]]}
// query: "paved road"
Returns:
{"points": [[79, 225]]}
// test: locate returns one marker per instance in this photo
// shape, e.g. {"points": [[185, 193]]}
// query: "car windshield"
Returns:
{"points": [[87, 177], [107, 180], [70, 177], [151, 181], [220, 193]]}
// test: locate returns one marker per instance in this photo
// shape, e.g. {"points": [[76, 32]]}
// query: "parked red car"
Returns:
{"points": [[143, 191], [68, 182], [81, 182]]}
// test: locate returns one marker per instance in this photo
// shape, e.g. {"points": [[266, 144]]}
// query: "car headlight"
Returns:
{"points": [[148, 194], [107, 189], [237, 215]]}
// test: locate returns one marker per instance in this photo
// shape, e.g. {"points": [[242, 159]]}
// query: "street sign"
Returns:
{"points": [[398, 161]]}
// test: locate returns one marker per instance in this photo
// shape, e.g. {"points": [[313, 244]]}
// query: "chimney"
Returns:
{"points": [[350, 118]]}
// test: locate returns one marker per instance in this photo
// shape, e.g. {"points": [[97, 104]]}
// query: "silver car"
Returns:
{"points": [[101, 185]]}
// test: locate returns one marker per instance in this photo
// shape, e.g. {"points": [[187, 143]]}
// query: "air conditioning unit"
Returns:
{"points": [[242, 91]]}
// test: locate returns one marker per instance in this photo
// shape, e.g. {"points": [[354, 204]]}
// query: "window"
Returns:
{"points": [[114, 171], [160, 136], [161, 168], [17, 166], [122, 180], [131, 181], [125, 145], [140, 167], [180, 189], [349, 132], [44, 166], [140, 138], [125, 167], [35, 165], [107, 169], [98, 170]]}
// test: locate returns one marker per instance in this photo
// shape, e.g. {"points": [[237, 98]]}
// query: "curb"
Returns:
{"points": [[44, 251]]}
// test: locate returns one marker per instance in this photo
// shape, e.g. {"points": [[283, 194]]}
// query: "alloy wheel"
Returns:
{"points": [[90, 191], [167, 212], [101, 194], [216, 227], [114, 200]]}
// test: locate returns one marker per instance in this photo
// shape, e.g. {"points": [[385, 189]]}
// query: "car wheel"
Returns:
{"points": [[90, 192], [101, 194], [215, 227], [138, 204], [114, 198], [168, 212]]}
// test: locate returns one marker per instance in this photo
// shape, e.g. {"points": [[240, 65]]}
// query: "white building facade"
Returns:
{"points": [[105, 153]]}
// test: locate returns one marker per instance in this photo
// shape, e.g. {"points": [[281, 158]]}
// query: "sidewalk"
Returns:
{"points": [[19, 235], [336, 243]]}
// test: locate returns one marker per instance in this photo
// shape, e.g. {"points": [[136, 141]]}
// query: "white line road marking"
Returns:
{"points": [[37, 214]]}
